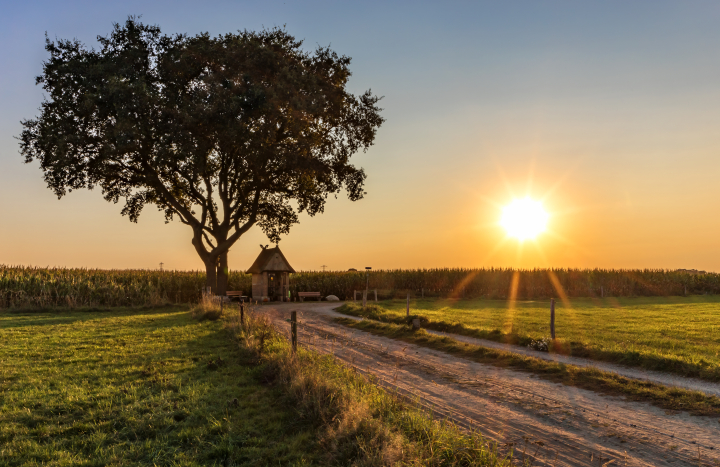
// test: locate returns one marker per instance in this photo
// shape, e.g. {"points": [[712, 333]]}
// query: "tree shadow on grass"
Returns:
{"points": [[221, 394], [157, 389], [18, 318]]}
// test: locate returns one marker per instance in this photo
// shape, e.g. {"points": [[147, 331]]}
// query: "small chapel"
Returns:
{"points": [[271, 276]]}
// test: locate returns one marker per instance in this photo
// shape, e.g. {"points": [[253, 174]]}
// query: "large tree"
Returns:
{"points": [[221, 133]]}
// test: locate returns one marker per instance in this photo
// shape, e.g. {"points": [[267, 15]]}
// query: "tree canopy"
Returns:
{"points": [[221, 133]]}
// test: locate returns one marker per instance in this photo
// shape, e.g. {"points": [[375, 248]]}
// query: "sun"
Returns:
{"points": [[524, 219]]}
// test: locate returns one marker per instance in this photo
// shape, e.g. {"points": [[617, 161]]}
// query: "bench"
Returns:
{"points": [[234, 294], [309, 294]]}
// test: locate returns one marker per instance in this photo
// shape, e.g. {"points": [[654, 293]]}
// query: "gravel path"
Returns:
{"points": [[549, 423], [666, 379]]}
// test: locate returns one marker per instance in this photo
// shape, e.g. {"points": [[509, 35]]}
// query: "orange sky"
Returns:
{"points": [[612, 117]]}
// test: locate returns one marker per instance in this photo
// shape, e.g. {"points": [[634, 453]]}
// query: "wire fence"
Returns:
{"points": [[336, 343]]}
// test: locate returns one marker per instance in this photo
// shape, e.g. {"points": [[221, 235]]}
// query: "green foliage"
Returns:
{"points": [[671, 334], [222, 133]]}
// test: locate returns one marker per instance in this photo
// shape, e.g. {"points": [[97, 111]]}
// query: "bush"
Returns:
{"points": [[209, 308]]}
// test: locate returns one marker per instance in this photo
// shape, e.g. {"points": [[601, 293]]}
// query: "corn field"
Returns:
{"points": [[48, 287], [498, 283]]}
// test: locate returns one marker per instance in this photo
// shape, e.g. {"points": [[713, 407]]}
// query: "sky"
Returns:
{"points": [[608, 112]]}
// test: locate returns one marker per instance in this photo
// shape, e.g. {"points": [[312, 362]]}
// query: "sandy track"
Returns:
{"points": [[666, 379], [550, 423]]}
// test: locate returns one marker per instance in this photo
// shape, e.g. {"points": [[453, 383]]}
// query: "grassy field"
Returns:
{"points": [[158, 387], [127, 387], [674, 334]]}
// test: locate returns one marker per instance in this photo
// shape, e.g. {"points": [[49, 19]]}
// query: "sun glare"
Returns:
{"points": [[524, 219]]}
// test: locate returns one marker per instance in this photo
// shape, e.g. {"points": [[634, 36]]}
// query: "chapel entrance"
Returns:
{"points": [[273, 285]]}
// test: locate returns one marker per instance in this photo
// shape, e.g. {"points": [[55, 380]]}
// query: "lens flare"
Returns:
{"points": [[524, 219]]}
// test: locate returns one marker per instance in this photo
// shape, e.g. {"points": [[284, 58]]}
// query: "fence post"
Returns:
{"points": [[364, 298], [422, 293], [407, 311], [221, 304], [354, 295], [552, 318], [242, 311], [293, 329], [375, 295], [602, 292]]}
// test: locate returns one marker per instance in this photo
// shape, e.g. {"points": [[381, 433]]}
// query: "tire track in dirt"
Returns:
{"points": [[550, 423]]}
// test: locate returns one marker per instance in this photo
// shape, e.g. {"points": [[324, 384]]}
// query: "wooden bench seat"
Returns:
{"points": [[302, 295], [234, 294]]}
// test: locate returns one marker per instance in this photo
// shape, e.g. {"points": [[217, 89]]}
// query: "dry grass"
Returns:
{"points": [[358, 423], [209, 307]]}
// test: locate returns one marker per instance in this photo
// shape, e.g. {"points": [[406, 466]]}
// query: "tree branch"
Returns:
{"points": [[155, 182]]}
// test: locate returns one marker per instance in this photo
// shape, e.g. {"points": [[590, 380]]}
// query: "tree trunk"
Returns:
{"points": [[222, 274], [211, 275]]}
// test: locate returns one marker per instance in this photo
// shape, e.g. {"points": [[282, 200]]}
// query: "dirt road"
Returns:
{"points": [[550, 423]]}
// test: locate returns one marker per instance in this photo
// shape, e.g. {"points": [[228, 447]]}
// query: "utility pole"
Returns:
{"points": [[323, 266], [367, 278], [161, 265]]}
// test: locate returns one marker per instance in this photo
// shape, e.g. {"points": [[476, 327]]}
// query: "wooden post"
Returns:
{"points": [[552, 318], [354, 295], [293, 329], [242, 312], [602, 292], [375, 295], [221, 304], [407, 311], [422, 293], [364, 298]]}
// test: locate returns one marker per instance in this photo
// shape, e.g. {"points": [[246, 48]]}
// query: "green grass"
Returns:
{"points": [[143, 388], [673, 334], [157, 387], [588, 378]]}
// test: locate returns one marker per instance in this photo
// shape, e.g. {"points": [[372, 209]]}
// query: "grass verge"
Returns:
{"points": [[670, 334], [357, 422], [587, 378]]}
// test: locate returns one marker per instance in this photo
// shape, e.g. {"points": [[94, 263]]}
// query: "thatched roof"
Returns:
{"points": [[270, 259]]}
